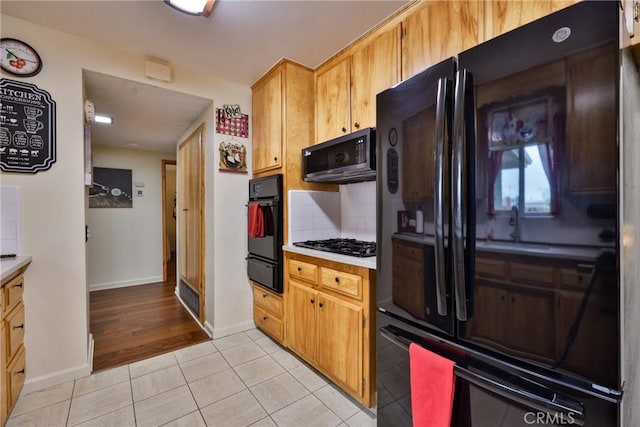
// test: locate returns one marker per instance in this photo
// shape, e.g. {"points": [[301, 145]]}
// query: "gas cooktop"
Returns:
{"points": [[351, 247]]}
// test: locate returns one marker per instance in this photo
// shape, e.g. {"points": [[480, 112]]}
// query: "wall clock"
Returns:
{"points": [[18, 58]]}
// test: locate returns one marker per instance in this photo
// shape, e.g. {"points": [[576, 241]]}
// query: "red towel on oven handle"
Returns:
{"points": [[256, 220], [432, 387]]}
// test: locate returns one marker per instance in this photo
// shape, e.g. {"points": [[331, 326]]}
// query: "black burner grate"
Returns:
{"points": [[351, 247]]}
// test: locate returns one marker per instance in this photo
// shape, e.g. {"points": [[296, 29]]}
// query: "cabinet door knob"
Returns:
{"points": [[20, 326], [19, 285], [312, 300], [344, 129], [20, 372], [299, 268], [356, 125], [264, 317], [275, 159], [337, 280], [321, 305], [264, 295]]}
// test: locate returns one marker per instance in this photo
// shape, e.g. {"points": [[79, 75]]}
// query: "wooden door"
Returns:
{"points": [[374, 68], [301, 320], [332, 101], [340, 333], [531, 316], [437, 31], [591, 121], [491, 307], [501, 16], [190, 213], [596, 342], [267, 123], [418, 138]]}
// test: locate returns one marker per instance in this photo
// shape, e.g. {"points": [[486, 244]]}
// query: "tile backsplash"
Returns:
{"points": [[10, 226], [350, 213], [358, 211]]}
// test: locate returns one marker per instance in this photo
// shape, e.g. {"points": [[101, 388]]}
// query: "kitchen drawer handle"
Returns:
{"points": [[337, 280], [20, 326], [299, 268], [312, 301], [19, 285]]}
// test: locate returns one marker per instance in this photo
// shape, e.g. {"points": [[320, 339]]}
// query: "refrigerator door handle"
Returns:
{"points": [[438, 210], [457, 207], [561, 408]]}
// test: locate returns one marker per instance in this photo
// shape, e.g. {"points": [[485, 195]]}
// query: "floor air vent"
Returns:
{"points": [[190, 298]]}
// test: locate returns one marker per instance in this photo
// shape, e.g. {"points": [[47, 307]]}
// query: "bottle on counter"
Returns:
{"points": [[419, 221]]}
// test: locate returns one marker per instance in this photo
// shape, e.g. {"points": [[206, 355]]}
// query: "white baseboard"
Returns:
{"points": [[125, 283], [233, 329], [90, 352], [208, 327], [61, 377], [56, 378]]}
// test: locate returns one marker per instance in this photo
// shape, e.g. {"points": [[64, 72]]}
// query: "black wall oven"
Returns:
{"points": [[265, 259]]}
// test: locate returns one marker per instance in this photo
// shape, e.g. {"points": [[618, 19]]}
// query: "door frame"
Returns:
{"points": [[164, 221]]}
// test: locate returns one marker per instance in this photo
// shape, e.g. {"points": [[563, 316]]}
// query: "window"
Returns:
{"points": [[524, 141], [521, 181]]}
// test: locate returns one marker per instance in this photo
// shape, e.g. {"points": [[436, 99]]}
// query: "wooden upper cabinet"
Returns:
{"points": [[374, 68], [346, 90], [267, 122], [436, 31], [501, 16], [591, 121], [332, 101]]}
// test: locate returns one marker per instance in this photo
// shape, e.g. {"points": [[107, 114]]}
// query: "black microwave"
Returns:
{"points": [[343, 160]]}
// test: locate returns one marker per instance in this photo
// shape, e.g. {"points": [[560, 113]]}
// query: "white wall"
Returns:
{"points": [[53, 201], [228, 295], [125, 244]]}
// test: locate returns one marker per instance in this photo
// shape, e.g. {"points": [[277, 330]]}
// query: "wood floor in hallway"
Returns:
{"points": [[138, 322]]}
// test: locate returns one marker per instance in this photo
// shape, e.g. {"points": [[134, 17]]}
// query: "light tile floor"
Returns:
{"points": [[244, 379]]}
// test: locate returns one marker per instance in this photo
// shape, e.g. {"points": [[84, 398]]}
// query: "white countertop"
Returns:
{"points": [[10, 266], [367, 262], [578, 253]]}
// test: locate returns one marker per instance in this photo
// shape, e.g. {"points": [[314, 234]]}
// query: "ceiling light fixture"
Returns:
{"points": [[192, 7], [104, 119]]}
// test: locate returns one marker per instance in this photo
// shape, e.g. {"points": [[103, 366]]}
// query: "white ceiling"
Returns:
{"points": [[239, 42]]}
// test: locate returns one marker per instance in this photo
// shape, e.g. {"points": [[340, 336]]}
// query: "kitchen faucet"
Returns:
{"points": [[515, 222]]}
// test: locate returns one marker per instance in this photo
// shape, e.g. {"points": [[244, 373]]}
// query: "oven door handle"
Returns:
{"points": [[264, 263], [558, 407]]}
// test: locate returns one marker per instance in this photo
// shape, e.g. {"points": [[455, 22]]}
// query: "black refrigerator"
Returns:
{"points": [[498, 235]]}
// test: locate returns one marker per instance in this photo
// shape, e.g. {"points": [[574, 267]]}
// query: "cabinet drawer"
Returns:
{"points": [[14, 329], [491, 268], [345, 283], [303, 270], [268, 322], [267, 300], [12, 293], [575, 278], [531, 273], [16, 373], [408, 250]]}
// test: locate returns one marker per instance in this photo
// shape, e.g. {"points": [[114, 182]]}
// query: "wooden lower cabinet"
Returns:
{"points": [[329, 321], [12, 352], [268, 312]]}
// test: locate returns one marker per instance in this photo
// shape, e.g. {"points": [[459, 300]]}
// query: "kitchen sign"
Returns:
{"points": [[27, 127]]}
